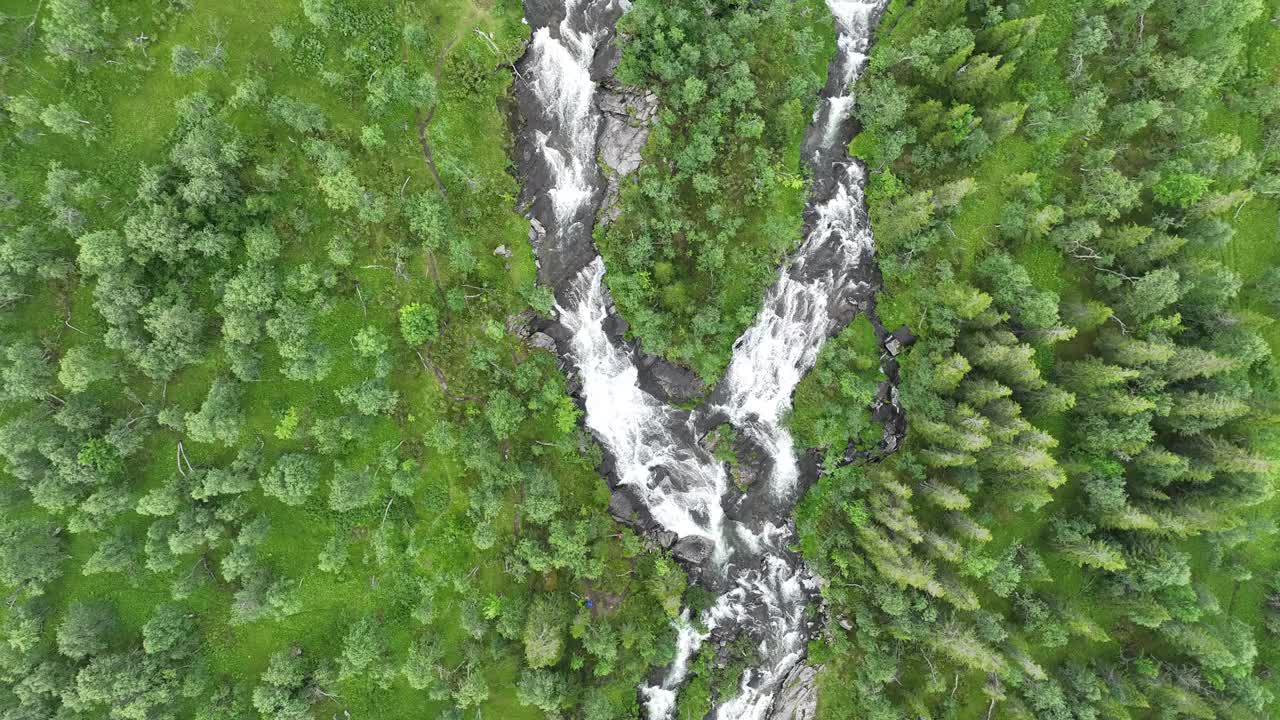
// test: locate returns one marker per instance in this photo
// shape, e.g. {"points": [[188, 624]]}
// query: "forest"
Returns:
{"points": [[306, 411]]}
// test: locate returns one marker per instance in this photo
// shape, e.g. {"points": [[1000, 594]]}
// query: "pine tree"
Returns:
{"points": [[1135, 352], [28, 373], [543, 633], [350, 488], [1193, 362], [293, 479], [1150, 294], [981, 391], [959, 643], [1226, 456], [963, 431], [966, 527], [1010, 34], [944, 495], [1091, 374], [1194, 412], [86, 629], [1093, 552], [1119, 401]]}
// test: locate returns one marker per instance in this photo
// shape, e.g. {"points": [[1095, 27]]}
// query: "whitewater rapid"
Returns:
{"points": [[827, 280], [654, 448], [642, 434]]}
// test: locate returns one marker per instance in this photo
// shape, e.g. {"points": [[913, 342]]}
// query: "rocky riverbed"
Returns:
{"points": [[579, 135]]}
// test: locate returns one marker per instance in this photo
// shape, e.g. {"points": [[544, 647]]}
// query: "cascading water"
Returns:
{"points": [[817, 293], [653, 447], [639, 432]]}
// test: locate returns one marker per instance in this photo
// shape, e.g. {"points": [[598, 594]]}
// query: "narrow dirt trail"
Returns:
{"points": [[423, 117]]}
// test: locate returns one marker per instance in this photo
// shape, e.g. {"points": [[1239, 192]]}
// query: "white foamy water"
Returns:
{"points": [[779, 590], [839, 109], [775, 592], [774, 354], [561, 78], [660, 700], [680, 487], [784, 649], [635, 427], [653, 447]]}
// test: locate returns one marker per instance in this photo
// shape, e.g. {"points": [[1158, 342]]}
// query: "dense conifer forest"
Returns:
{"points": [[296, 421]]}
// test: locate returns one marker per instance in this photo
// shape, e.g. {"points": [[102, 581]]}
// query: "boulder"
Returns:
{"points": [[798, 699], [627, 117], [899, 340], [542, 341], [621, 507], [692, 549], [521, 323], [673, 383]]}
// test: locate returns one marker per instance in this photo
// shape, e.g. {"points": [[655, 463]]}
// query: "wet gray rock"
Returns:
{"points": [[627, 118], [692, 549], [563, 247], [798, 699], [669, 382], [886, 407], [621, 507], [899, 340], [892, 346], [542, 341], [904, 336], [884, 393], [521, 324]]}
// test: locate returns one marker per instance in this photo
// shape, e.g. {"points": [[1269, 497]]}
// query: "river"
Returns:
{"points": [[734, 543]]}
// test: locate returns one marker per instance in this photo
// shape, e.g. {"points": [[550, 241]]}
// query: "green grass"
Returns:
{"points": [[469, 137], [1253, 250]]}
